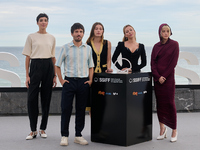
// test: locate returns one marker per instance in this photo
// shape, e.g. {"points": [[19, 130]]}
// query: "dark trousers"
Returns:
{"points": [[75, 87], [41, 73]]}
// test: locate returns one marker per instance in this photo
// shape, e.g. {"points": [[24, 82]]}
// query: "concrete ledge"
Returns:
{"points": [[13, 101]]}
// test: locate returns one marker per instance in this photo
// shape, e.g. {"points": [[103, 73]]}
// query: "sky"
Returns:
{"points": [[18, 19]]}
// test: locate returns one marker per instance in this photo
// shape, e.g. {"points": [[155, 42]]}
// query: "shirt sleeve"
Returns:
{"points": [[154, 71], [116, 55], [53, 47], [61, 57], [172, 61], [90, 60], [143, 58], [28, 47]]}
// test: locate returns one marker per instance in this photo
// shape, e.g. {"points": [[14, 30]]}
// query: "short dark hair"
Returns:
{"points": [[77, 26], [42, 15]]}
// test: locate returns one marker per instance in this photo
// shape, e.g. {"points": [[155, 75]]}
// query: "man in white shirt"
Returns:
{"points": [[78, 71]]}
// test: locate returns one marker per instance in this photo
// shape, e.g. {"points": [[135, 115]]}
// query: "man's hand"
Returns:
{"points": [[63, 82], [89, 82]]}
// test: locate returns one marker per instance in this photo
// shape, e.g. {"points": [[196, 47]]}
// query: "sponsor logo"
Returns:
{"points": [[135, 93], [140, 79], [144, 92], [115, 93], [107, 93], [108, 80], [101, 93], [139, 93]]}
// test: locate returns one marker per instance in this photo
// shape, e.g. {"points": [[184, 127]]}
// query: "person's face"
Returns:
{"points": [[129, 32], [77, 35], [42, 23], [165, 33], [98, 30]]}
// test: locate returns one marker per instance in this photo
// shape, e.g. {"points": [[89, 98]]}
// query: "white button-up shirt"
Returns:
{"points": [[77, 60]]}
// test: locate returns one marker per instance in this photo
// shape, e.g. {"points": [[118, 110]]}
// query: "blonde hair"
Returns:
{"points": [[125, 38], [165, 26]]}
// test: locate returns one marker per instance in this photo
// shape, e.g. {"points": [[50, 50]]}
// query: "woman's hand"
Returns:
{"points": [[54, 82], [27, 82], [162, 79], [129, 70], [109, 70]]}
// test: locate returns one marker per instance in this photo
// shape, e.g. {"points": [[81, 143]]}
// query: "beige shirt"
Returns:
{"points": [[40, 46]]}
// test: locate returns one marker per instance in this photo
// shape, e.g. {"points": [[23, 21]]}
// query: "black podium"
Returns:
{"points": [[121, 108]]}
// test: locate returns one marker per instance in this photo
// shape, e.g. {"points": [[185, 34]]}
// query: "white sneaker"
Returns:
{"points": [[64, 141], [31, 135], [43, 134], [80, 140]]}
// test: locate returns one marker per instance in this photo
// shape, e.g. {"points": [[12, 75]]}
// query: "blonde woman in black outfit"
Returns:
{"points": [[130, 50]]}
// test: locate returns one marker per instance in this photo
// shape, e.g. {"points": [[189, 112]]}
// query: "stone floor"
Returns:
{"points": [[14, 129]]}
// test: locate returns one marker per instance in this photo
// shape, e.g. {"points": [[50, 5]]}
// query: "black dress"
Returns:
{"points": [[132, 57], [100, 62], [100, 58]]}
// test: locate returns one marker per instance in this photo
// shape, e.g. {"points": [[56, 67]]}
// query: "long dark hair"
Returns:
{"points": [[92, 32]]}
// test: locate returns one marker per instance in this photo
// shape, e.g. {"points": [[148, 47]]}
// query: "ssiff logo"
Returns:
{"points": [[95, 79], [101, 93]]}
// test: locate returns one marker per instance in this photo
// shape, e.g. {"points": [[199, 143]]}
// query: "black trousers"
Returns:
{"points": [[41, 73], [75, 87]]}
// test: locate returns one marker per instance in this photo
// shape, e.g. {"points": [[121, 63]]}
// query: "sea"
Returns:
{"points": [[20, 70]]}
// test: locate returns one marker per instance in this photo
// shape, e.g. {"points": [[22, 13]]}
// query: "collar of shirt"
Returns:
{"points": [[72, 44]]}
